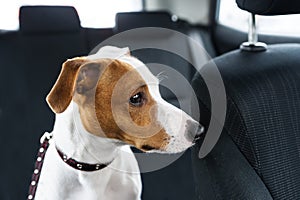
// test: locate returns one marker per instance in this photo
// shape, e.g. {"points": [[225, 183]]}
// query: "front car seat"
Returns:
{"points": [[258, 153]]}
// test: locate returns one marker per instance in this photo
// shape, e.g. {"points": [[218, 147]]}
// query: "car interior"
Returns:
{"points": [[257, 155]]}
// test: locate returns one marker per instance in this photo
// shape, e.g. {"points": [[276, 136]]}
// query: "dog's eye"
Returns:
{"points": [[138, 99]]}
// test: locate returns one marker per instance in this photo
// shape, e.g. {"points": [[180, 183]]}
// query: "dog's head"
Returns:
{"points": [[119, 98]]}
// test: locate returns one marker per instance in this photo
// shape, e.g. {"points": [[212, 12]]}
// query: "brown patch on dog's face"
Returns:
{"points": [[119, 101]]}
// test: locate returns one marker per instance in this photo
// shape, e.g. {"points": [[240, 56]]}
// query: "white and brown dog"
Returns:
{"points": [[103, 104]]}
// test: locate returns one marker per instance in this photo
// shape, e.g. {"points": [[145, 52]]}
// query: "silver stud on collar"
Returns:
{"points": [[79, 166], [97, 166], [65, 158], [30, 197], [39, 159], [33, 183], [41, 150], [36, 171]]}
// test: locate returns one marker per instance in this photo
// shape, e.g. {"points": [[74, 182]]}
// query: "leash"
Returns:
{"points": [[45, 139]]}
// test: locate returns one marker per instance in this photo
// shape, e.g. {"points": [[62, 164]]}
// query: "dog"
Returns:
{"points": [[105, 103]]}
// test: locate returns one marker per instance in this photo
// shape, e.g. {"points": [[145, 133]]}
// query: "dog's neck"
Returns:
{"points": [[71, 137]]}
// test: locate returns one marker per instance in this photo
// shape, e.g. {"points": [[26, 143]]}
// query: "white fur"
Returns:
{"points": [[121, 179], [109, 52]]}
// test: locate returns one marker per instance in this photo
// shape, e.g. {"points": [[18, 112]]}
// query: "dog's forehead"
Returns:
{"points": [[141, 68], [123, 55]]}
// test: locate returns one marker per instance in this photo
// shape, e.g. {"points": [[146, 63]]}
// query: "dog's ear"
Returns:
{"points": [[87, 77], [62, 92]]}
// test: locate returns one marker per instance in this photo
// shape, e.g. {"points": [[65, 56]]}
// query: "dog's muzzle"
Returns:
{"points": [[193, 131]]}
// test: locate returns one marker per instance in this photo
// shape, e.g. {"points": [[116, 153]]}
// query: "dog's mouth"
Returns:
{"points": [[147, 148], [170, 144]]}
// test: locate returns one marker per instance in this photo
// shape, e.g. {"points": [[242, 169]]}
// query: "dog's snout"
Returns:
{"points": [[193, 130], [199, 131]]}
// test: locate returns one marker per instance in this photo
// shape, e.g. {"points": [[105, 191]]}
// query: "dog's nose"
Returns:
{"points": [[193, 130], [199, 131]]}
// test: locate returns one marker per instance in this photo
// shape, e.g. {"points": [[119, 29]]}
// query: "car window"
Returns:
{"points": [[92, 13], [232, 16]]}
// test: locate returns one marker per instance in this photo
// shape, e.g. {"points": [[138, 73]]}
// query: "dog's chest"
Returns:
{"points": [[120, 180]]}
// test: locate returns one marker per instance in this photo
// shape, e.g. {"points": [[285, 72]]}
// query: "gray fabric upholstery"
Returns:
{"points": [[270, 7], [127, 21], [263, 114], [48, 19]]}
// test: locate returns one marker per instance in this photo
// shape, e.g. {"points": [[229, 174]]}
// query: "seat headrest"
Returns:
{"points": [[270, 7], [48, 19], [131, 20]]}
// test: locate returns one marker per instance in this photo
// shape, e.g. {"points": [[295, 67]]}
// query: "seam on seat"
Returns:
{"points": [[229, 99], [246, 134], [215, 189]]}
